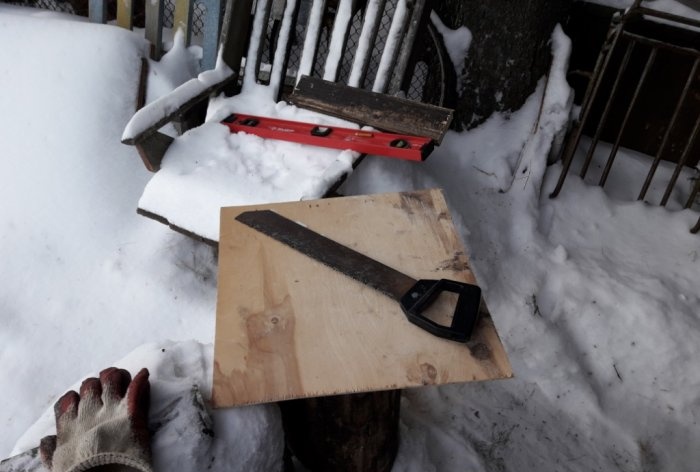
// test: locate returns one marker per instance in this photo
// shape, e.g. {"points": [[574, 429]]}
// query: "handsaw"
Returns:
{"points": [[414, 296]]}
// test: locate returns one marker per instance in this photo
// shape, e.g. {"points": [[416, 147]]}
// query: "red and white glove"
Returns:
{"points": [[104, 428]]}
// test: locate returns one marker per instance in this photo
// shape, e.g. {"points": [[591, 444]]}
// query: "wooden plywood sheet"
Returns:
{"points": [[290, 327]]}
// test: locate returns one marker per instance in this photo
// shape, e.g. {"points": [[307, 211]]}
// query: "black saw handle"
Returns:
{"points": [[425, 292]]}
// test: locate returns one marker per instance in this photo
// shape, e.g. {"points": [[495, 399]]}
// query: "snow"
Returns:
{"points": [[158, 109], [364, 43], [283, 39], [393, 41], [456, 41], [210, 167], [595, 296], [310, 41], [335, 49]]}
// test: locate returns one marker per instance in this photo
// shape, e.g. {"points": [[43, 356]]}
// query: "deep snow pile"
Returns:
{"points": [[84, 279], [595, 298]]}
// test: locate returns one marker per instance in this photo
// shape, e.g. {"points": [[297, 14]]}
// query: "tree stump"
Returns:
{"points": [[354, 433]]}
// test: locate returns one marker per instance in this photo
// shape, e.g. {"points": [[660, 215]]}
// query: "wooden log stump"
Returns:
{"points": [[355, 433]]}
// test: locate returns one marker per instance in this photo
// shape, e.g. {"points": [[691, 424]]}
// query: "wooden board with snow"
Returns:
{"points": [[290, 327]]}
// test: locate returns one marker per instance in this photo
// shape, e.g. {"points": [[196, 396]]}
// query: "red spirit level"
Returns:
{"points": [[412, 148]]}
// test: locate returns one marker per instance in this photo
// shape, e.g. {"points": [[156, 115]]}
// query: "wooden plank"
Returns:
{"points": [[397, 75], [289, 327], [339, 39], [182, 18], [313, 34], [125, 14], [154, 27], [257, 40], [234, 33], [212, 30], [283, 48], [186, 106], [98, 11], [383, 112], [366, 42], [152, 149], [393, 46]]}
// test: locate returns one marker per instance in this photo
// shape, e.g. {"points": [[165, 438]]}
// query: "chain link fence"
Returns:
{"points": [[427, 70]]}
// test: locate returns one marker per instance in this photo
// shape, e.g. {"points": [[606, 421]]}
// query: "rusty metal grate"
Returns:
{"points": [[608, 107]]}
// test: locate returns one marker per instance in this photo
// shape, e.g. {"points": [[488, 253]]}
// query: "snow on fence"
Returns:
{"points": [[342, 39]]}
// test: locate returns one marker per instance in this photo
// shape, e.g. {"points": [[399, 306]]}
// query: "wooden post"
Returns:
{"points": [[125, 14], [98, 11], [235, 33], [212, 30], [154, 27], [183, 18], [345, 433]]}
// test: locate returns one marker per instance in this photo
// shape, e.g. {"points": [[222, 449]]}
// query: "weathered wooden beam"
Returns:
{"points": [[283, 48], [380, 111], [399, 70], [154, 26], [182, 18], [189, 234], [152, 148], [365, 45], [344, 433], [234, 34], [212, 30], [339, 39], [392, 47], [255, 48], [98, 11], [183, 108], [313, 34]]}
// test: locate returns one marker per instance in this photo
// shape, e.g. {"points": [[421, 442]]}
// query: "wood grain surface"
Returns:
{"points": [[384, 112], [290, 327]]}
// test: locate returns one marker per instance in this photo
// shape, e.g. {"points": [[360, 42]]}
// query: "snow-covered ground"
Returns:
{"points": [[595, 297]]}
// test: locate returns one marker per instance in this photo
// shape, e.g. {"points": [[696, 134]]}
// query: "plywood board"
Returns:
{"points": [[290, 327]]}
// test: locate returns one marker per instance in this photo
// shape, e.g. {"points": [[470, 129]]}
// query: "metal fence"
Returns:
{"points": [[427, 73], [609, 108]]}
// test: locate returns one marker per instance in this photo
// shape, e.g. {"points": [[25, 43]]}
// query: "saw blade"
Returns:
{"points": [[331, 253]]}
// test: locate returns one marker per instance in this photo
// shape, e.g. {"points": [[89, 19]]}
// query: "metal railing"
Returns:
{"points": [[622, 41]]}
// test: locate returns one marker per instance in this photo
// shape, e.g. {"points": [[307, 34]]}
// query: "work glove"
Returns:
{"points": [[104, 428]]}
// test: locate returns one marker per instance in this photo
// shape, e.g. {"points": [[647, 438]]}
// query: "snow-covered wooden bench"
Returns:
{"points": [[208, 168]]}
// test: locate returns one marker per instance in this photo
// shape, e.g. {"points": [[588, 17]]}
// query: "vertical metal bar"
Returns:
{"points": [[392, 47], [600, 68], [664, 141], [339, 38], [681, 162], [406, 47], [125, 14], [616, 146], [182, 18], [257, 36], [606, 110], [313, 34], [154, 26], [212, 30], [284, 44], [98, 11], [368, 36]]}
